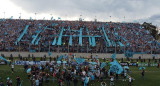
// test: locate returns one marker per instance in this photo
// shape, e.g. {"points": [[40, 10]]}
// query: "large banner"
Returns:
{"points": [[130, 64], [139, 64], [3, 63], [147, 64], [32, 62]]}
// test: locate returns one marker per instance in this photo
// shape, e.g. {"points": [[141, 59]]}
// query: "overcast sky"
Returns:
{"points": [[133, 10]]}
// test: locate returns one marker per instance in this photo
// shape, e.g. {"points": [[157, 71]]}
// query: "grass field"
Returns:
{"points": [[152, 77]]}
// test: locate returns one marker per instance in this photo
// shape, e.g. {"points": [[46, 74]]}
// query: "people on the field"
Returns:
{"points": [[130, 81], [111, 80], [143, 73], [12, 67], [18, 80], [1, 84]]}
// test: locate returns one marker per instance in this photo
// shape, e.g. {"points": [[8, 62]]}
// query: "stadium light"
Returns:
{"points": [[110, 18], [4, 14], [19, 15], [35, 15], [95, 19], [51, 16]]}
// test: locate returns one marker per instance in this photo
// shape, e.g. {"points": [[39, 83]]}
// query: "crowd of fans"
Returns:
{"points": [[132, 35], [70, 72]]}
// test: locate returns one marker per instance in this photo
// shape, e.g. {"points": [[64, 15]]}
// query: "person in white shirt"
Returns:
{"points": [[130, 81], [12, 68], [75, 72], [112, 81], [84, 73]]}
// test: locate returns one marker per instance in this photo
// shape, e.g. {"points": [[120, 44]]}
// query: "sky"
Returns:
{"points": [[119, 10]]}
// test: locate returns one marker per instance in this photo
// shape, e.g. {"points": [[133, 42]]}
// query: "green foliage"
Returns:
{"points": [[152, 29]]}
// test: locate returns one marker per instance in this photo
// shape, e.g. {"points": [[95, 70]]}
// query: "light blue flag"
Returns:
{"points": [[54, 42], [115, 67], [59, 18], [11, 17], [4, 59], [40, 67], [92, 77], [79, 60], [93, 63], [103, 65], [49, 53], [116, 33], [33, 36], [60, 58], [140, 68], [29, 70], [70, 40], [129, 54], [137, 33], [32, 51], [126, 67], [64, 62], [113, 56], [21, 83], [123, 21], [58, 62], [52, 18], [30, 18], [86, 81], [6, 33], [149, 41]]}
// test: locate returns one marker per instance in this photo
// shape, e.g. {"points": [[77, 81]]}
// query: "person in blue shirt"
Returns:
{"points": [[51, 69], [37, 82], [1, 84], [92, 77]]}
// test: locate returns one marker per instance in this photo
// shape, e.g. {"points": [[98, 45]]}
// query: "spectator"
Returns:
{"points": [[18, 80], [143, 74], [1, 84], [12, 67], [75, 81], [37, 82]]}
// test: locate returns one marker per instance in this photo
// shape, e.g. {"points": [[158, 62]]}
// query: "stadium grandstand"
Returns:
{"points": [[75, 36]]}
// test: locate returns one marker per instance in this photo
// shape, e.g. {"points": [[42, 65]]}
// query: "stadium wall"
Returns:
{"points": [[86, 55]]}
